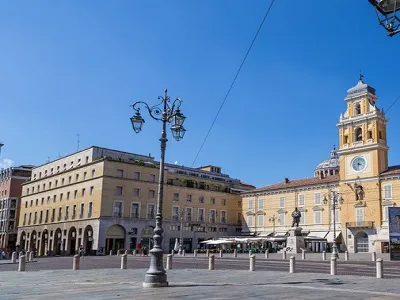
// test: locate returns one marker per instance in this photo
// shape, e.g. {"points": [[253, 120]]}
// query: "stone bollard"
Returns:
{"points": [[31, 256], [221, 253], [208, 253], [346, 255], [27, 255], [266, 253], [292, 265], [21, 253], [234, 253], [323, 255], [111, 252], [21, 264], [75, 264], [14, 257], [303, 254], [118, 252], [284, 255], [134, 252], [124, 260], [373, 256], [183, 252], [252, 263], [379, 268], [126, 252], [333, 266], [169, 262], [194, 253], [250, 253], [211, 262], [172, 252]]}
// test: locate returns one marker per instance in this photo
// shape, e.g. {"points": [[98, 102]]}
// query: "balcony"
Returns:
{"points": [[175, 218], [358, 143], [135, 215], [223, 220], [360, 224]]}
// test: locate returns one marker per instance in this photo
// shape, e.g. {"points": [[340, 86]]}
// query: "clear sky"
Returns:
{"points": [[69, 67]]}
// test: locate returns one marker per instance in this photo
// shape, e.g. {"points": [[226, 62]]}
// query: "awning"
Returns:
{"points": [[265, 233], [329, 237], [280, 233], [383, 235], [276, 238], [317, 235]]}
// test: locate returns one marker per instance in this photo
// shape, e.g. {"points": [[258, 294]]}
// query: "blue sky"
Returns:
{"points": [[69, 67]]}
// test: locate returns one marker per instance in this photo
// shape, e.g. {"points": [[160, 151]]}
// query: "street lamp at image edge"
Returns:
{"points": [[156, 275], [335, 203], [387, 9]]}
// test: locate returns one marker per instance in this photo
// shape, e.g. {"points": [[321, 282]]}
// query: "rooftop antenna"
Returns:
{"points": [[1, 145], [78, 141]]}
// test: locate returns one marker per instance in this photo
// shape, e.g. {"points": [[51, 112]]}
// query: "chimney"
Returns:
{"points": [[286, 180]]}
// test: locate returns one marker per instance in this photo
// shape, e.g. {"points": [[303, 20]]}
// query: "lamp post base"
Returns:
{"points": [[335, 253], [155, 281]]}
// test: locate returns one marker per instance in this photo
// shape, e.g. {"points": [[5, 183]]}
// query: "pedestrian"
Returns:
{"points": [[145, 251], [81, 251]]}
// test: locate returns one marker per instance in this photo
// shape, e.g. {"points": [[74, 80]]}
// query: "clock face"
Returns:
{"points": [[358, 164]]}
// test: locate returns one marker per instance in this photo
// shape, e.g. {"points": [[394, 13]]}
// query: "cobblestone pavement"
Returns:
{"points": [[352, 267], [192, 284]]}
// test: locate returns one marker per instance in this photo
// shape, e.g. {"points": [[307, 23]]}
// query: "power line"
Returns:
{"points": [[394, 102], [233, 82]]}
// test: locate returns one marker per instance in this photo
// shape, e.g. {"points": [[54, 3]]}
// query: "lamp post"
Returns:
{"points": [[273, 219], [167, 113], [336, 200], [181, 216]]}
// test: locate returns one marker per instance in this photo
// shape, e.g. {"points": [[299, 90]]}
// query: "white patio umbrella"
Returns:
{"points": [[176, 247]]}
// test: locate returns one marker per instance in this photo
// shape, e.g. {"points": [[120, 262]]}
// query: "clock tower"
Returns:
{"points": [[362, 135]]}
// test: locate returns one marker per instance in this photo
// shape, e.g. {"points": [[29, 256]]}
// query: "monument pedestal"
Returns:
{"points": [[295, 241]]}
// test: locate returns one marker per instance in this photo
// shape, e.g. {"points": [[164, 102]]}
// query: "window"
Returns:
{"points": [[68, 194], [201, 199], [48, 199], [223, 216], [282, 202], [53, 214], [50, 185], [345, 139], [74, 212], [317, 217], [357, 109], [251, 207], [260, 204], [189, 198], [41, 217], [152, 194], [250, 221], [317, 198], [212, 200], [385, 213], [175, 213], [188, 214], [387, 191], [201, 215], [44, 186], [87, 159], [281, 219], [42, 201], [54, 198], [75, 194], [27, 191], [83, 192], [152, 178], [24, 219], [93, 173], [358, 134], [91, 190], [120, 173], [135, 210], [36, 202], [26, 204], [260, 220], [69, 179], [212, 216], [30, 217], [62, 181], [223, 202], [117, 210], [56, 183], [59, 213], [370, 134], [301, 200], [303, 218], [118, 191], [136, 176], [150, 211], [176, 196], [82, 214], [90, 211], [136, 192], [33, 189], [360, 216], [66, 213], [35, 218]]}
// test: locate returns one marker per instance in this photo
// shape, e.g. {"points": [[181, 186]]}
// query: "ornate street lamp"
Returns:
{"points": [[336, 200], [167, 113], [386, 13], [273, 219]]}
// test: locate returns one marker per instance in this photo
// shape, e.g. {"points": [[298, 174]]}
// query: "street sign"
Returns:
{"points": [[394, 233]]}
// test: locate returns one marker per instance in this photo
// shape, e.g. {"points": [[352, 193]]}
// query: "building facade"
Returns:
{"points": [[360, 180], [11, 180], [105, 200]]}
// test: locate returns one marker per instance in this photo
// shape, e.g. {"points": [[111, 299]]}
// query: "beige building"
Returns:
{"points": [[105, 200], [361, 177]]}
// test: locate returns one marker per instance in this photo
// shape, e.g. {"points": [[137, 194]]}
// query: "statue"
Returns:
{"points": [[296, 215], [359, 192]]}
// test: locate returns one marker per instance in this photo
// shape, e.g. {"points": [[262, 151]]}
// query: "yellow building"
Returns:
{"points": [[105, 200], [364, 187]]}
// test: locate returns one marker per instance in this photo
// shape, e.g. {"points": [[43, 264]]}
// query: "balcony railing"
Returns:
{"points": [[135, 215], [360, 224]]}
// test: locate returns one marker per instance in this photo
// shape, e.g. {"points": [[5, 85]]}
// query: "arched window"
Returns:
{"points": [[357, 109], [358, 134]]}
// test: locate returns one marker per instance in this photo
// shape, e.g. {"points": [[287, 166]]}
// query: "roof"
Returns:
{"points": [[360, 88], [392, 170], [296, 183]]}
